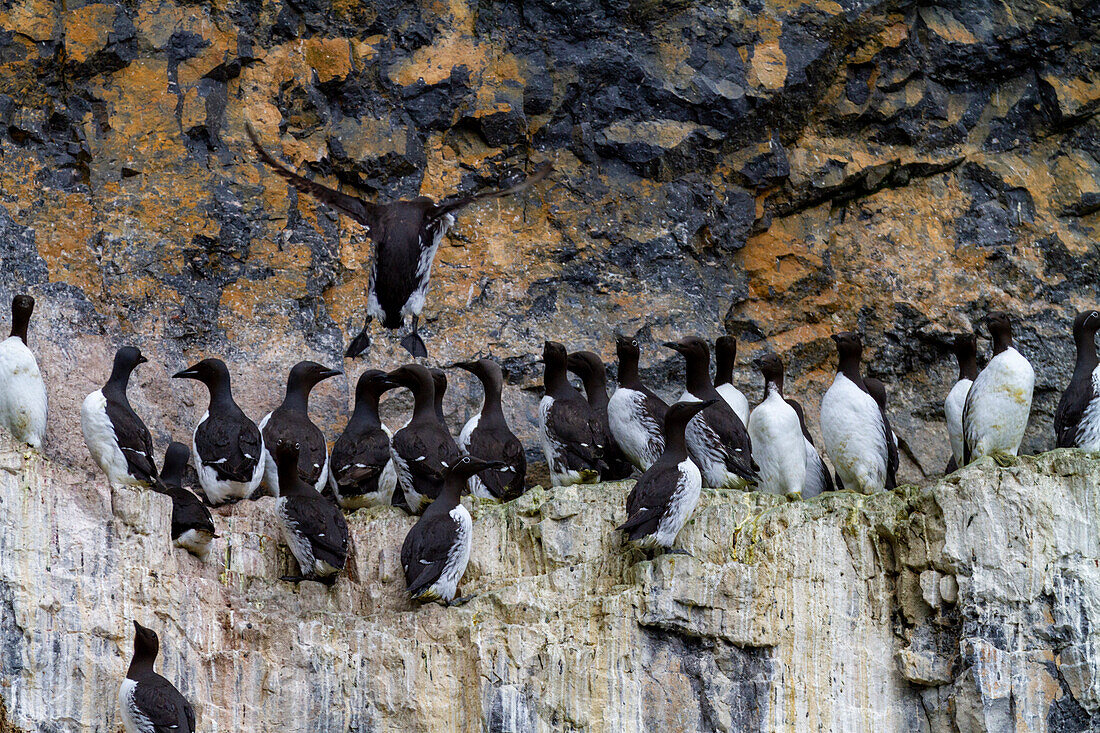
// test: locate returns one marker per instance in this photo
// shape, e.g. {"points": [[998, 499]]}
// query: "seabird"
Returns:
{"points": [[147, 702], [313, 526], [716, 437], [569, 429], [635, 414], [818, 478], [290, 422], [966, 352], [362, 471], [877, 390], [593, 374], [227, 447], [423, 451], [406, 235], [488, 436], [852, 423], [778, 446], [22, 391], [999, 402], [116, 437], [665, 495], [192, 525], [1077, 420], [725, 354], [436, 550]]}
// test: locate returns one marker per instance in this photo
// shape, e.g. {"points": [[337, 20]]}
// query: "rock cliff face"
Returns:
{"points": [[776, 170], [968, 605]]}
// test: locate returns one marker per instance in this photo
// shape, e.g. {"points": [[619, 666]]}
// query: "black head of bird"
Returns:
{"points": [[486, 370], [21, 308], [555, 355], [413, 377], [372, 384], [1000, 328], [126, 360], [725, 355], [146, 644], [305, 375], [966, 353], [691, 348], [211, 372], [771, 368], [175, 463], [848, 344], [627, 347], [1085, 325], [588, 366], [678, 416], [468, 466]]}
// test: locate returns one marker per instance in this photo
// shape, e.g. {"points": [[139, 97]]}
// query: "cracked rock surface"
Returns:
{"points": [[968, 605]]}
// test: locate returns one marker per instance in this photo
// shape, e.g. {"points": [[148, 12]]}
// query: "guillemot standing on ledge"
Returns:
{"points": [[436, 550], [665, 496], [716, 437], [856, 437], [1077, 419], [361, 466], [778, 446], [116, 437], [593, 374], [290, 422], [725, 355], [999, 402], [424, 450], [635, 414], [966, 352], [818, 478], [313, 526], [22, 391], [192, 525], [147, 702], [406, 235], [488, 436], [227, 446], [877, 390], [569, 429]]}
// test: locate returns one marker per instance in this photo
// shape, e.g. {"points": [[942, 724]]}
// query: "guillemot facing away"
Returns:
{"points": [[635, 414], [966, 352], [818, 478], [725, 355], [362, 472], [228, 447], [290, 422], [22, 391], [778, 446], [716, 437], [665, 495], [436, 550], [999, 402], [116, 437], [488, 436], [313, 526], [1077, 419], [851, 423], [877, 390], [192, 525], [424, 450], [569, 429], [148, 703], [593, 374], [406, 235]]}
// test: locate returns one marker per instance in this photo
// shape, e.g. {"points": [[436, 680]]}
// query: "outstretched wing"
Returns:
{"points": [[362, 211], [455, 203]]}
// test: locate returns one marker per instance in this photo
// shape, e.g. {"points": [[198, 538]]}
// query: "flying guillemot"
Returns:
{"points": [[569, 430], [424, 450], [1077, 419], [290, 422], [718, 441], [362, 471], [116, 437], [725, 355], [22, 390], [406, 236], [999, 402], [635, 414], [778, 446], [147, 702], [488, 436], [966, 353], [593, 374], [665, 495], [436, 550], [313, 526], [852, 426], [192, 525], [227, 446]]}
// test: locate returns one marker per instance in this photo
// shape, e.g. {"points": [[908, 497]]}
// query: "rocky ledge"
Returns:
{"points": [[971, 604]]}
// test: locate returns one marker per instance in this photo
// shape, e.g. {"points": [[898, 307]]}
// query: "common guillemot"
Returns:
{"points": [[999, 402], [22, 389], [488, 436], [116, 437]]}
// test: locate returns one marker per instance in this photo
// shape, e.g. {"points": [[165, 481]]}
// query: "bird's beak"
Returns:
{"points": [[673, 345], [467, 365], [142, 360], [487, 465], [188, 373], [835, 337], [329, 373]]}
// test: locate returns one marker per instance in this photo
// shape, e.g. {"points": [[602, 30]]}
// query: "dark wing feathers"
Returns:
{"points": [[455, 203], [434, 444], [892, 457], [578, 429], [188, 512], [424, 552], [294, 427], [649, 499], [1071, 408], [499, 444], [732, 436], [232, 436], [163, 704], [323, 524], [133, 438]]}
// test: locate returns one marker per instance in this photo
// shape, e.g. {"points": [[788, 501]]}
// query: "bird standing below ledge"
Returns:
{"points": [[406, 235]]}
